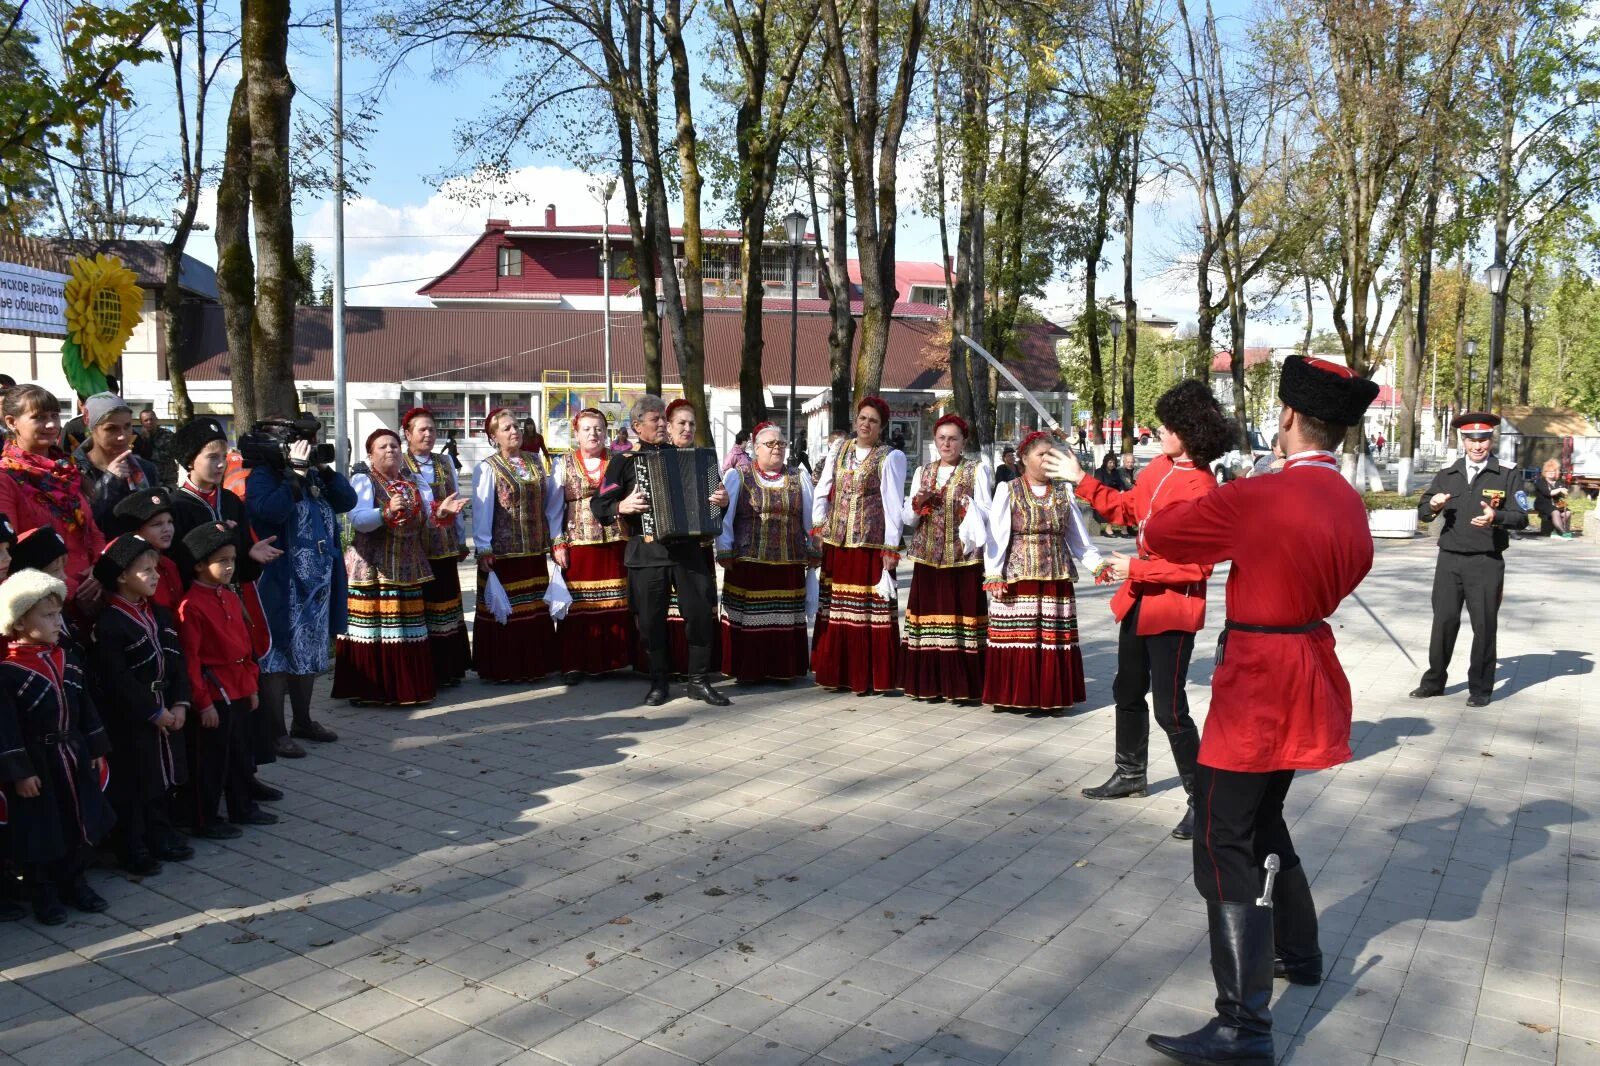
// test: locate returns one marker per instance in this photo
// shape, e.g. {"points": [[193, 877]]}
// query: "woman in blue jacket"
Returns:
{"points": [[304, 592]]}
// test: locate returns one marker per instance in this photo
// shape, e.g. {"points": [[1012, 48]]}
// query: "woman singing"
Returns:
{"points": [[446, 546], [384, 656], [766, 547], [1160, 604], [512, 538], [947, 614], [857, 509], [598, 634], [1035, 533]]}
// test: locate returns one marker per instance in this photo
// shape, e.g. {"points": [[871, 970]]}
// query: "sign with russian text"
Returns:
{"points": [[32, 299]]}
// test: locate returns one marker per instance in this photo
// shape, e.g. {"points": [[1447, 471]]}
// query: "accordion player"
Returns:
{"points": [[678, 483]]}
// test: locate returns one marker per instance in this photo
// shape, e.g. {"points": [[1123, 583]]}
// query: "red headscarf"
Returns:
{"points": [[415, 412], [877, 404], [956, 420], [675, 405], [760, 426], [382, 431], [1022, 449]]}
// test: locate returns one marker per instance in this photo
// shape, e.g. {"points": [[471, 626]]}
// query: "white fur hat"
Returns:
{"points": [[20, 591]]}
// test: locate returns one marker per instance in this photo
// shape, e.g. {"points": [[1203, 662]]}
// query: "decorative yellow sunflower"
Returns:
{"points": [[103, 300]]}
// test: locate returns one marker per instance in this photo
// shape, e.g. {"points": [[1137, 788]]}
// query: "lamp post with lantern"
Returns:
{"points": [[795, 224], [1496, 276]]}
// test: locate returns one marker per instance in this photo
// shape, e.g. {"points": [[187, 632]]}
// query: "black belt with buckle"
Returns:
{"points": [[1249, 627], [50, 740]]}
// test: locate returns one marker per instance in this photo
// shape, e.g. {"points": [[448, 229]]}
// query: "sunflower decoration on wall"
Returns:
{"points": [[103, 300]]}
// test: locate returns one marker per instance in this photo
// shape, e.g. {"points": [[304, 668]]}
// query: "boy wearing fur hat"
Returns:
{"points": [[143, 700], [218, 649], [149, 514], [52, 751]]}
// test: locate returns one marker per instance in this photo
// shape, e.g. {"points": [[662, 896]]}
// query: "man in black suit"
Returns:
{"points": [[1477, 497], [655, 568]]}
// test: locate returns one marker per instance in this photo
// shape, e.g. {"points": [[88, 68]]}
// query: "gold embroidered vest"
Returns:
{"points": [[767, 524], [1039, 527], [855, 519], [442, 542], [519, 523], [936, 540], [582, 526], [392, 554]]}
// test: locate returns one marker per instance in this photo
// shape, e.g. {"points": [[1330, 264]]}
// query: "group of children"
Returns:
{"points": [[117, 730]]}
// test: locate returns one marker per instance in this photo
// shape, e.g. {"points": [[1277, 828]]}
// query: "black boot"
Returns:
{"points": [[658, 692], [47, 907], [1241, 962], [1185, 752], [1294, 929], [1133, 751], [700, 689]]}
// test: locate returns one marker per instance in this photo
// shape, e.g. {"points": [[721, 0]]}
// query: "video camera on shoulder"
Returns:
{"points": [[267, 443]]}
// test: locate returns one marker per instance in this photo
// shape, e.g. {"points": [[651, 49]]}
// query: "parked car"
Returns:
{"points": [[1113, 431], [1236, 463]]}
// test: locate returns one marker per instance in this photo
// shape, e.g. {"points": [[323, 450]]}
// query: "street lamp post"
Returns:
{"points": [[795, 223], [1116, 378], [1472, 367], [1496, 276]]}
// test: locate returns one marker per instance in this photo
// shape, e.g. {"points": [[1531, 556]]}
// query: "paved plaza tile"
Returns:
{"points": [[559, 876]]}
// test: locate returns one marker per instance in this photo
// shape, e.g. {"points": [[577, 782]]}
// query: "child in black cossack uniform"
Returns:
{"points": [[52, 751], [143, 697], [10, 888]]}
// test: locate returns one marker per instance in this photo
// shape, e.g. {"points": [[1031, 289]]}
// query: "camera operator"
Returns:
{"points": [[293, 493]]}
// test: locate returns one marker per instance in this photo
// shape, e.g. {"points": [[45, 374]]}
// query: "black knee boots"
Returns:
{"points": [[1185, 753], [1294, 929], [1241, 963]]}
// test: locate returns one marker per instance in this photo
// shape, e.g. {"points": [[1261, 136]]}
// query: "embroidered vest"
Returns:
{"points": [[441, 542], [582, 526], [519, 524], [1038, 550], [394, 555], [936, 542], [767, 524], [856, 518]]}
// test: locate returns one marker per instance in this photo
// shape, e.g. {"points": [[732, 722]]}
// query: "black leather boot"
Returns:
{"points": [[1185, 752], [1241, 962], [1133, 752], [1294, 929], [700, 689], [658, 692]]}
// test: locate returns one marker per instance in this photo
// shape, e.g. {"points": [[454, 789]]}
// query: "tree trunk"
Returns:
{"points": [[969, 375], [264, 52], [1410, 414], [842, 332], [1525, 377], [752, 345], [1130, 307], [236, 269], [689, 186]]}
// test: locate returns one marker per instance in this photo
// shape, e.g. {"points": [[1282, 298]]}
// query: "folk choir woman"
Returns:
{"points": [[765, 549], [512, 537], [1036, 536], [597, 635], [857, 511], [947, 611], [446, 546]]}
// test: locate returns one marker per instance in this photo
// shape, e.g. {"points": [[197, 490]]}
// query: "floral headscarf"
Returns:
{"points": [[55, 477]]}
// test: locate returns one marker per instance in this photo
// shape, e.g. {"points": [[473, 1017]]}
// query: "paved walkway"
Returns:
{"points": [[560, 876]]}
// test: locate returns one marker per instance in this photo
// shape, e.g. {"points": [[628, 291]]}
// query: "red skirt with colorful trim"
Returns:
{"points": [[383, 655], [947, 618], [764, 621], [598, 634], [447, 626], [1033, 657], [524, 649], [856, 644]]}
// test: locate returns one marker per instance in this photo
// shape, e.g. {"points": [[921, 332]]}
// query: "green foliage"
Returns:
{"points": [[24, 183], [40, 114], [1391, 501]]}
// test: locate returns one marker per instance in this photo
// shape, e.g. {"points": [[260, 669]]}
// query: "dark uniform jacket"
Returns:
{"points": [[49, 730], [618, 486], [191, 508], [139, 670], [105, 492], [1466, 503]]}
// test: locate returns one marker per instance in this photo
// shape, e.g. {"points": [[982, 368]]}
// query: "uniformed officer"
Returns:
{"points": [[1477, 498]]}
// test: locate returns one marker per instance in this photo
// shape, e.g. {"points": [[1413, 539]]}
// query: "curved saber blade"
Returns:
{"points": [[1000, 368]]}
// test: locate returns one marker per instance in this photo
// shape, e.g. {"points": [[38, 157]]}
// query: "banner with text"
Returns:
{"points": [[32, 299]]}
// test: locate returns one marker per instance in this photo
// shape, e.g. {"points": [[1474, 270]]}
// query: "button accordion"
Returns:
{"points": [[677, 482]]}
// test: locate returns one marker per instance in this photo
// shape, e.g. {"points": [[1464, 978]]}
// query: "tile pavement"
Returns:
{"points": [[558, 876]]}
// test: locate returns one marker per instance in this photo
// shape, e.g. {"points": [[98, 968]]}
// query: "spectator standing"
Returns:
{"points": [[110, 469], [41, 486], [738, 457], [158, 447]]}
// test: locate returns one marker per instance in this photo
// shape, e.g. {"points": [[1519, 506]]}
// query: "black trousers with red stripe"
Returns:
{"points": [[220, 762], [1238, 822], [1157, 665]]}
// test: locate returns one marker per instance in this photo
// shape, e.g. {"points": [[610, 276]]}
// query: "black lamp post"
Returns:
{"points": [[1116, 378], [795, 223], [1496, 276], [1472, 361]]}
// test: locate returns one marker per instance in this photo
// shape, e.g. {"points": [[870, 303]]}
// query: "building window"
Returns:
{"points": [[449, 412], [929, 294], [510, 263]]}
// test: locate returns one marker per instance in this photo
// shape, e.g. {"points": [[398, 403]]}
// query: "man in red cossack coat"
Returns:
{"points": [[1280, 701]]}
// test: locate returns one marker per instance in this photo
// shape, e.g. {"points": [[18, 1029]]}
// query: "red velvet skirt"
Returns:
{"points": [[524, 649], [447, 626], [383, 656], [856, 644], [947, 618], [1033, 658], [764, 621], [598, 634]]}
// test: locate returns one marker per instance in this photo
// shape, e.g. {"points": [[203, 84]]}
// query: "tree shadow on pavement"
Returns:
{"points": [[1535, 668]]}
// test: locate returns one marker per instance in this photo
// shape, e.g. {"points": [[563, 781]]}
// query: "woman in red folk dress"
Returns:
{"points": [[512, 539], [856, 644], [598, 634], [446, 544], [946, 614], [765, 547], [1035, 534], [384, 657], [1160, 604]]}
